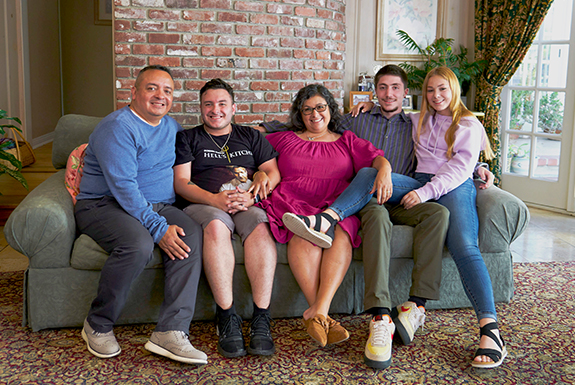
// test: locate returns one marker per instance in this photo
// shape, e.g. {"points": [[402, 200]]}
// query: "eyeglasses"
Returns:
{"points": [[309, 110]]}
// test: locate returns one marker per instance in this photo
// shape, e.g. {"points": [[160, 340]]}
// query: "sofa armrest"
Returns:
{"points": [[43, 227], [502, 218]]}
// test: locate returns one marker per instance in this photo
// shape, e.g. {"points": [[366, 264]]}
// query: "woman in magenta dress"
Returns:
{"points": [[317, 161]]}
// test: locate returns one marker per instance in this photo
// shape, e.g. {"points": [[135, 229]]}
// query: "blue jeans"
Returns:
{"points": [[461, 236]]}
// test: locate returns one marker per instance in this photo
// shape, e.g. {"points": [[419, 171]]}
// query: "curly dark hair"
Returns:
{"points": [[295, 119]]}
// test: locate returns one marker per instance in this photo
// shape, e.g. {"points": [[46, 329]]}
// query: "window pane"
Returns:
{"points": [[547, 153], [521, 116], [525, 75], [518, 149], [554, 60], [551, 106], [557, 24]]}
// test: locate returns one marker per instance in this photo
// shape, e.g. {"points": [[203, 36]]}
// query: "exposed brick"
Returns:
{"points": [[321, 75], [182, 27], [314, 44], [182, 3], [216, 28], [148, 3], [164, 15], [265, 107], [148, 49], [179, 73], [194, 84], [122, 49], [286, 107], [280, 117], [123, 95], [325, 14], [239, 86], [198, 62], [123, 72], [192, 108], [294, 1], [317, 3], [182, 51], [280, 31], [125, 83], [304, 32], [294, 86], [315, 23], [130, 37], [305, 11], [248, 75], [185, 96], [339, 17], [281, 9], [250, 52], [176, 107], [164, 38], [164, 61], [289, 20], [336, 75], [302, 75], [322, 55], [147, 25], [313, 65], [242, 107], [249, 96], [186, 120], [291, 64], [263, 63], [216, 51], [199, 15], [333, 85], [130, 61], [231, 63], [264, 19], [248, 119], [330, 45], [332, 25], [232, 17], [129, 13], [277, 75], [332, 65], [292, 42], [212, 74], [120, 105], [280, 53], [233, 40], [198, 39], [278, 96], [264, 86], [265, 42], [303, 54], [221, 4], [249, 6], [121, 3], [250, 29], [121, 25]]}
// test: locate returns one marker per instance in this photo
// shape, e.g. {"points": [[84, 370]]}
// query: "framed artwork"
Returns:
{"points": [[407, 103], [103, 12], [355, 97], [423, 20]]}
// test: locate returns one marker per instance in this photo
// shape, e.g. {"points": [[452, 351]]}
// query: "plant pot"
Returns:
{"points": [[520, 165]]}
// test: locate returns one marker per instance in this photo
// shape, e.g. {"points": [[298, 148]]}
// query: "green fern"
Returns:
{"points": [[6, 156]]}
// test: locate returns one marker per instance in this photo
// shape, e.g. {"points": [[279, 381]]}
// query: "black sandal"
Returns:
{"points": [[497, 356], [300, 226]]}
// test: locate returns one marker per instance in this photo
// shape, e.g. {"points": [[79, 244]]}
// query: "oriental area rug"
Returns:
{"points": [[538, 326]]}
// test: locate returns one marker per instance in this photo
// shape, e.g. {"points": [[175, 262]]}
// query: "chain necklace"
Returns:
{"points": [[315, 137], [223, 148]]}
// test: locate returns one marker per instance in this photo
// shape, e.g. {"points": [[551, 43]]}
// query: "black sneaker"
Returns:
{"points": [[261, 342], [231, 341]]}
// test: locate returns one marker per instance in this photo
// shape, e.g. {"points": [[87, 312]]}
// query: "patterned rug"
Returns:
{"points": [[538, 326]]}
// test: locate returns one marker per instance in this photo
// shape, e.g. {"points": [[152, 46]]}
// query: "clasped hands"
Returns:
{"points": [[233, 201]]}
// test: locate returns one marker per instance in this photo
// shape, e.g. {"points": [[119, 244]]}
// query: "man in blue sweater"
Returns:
{"points": [[124, 204]]}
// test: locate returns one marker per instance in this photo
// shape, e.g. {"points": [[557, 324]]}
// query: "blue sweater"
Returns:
{"points": [[132, 162]]}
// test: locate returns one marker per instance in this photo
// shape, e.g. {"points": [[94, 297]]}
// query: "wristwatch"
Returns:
{"points": [[257, 199]]}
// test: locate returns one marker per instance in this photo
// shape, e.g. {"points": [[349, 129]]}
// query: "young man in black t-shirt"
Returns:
{"points": [[221, 171]]}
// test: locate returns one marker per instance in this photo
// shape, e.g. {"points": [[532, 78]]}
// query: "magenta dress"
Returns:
{"points": [[313, 175]]}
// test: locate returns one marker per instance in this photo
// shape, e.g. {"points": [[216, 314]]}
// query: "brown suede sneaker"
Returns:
{"points": [[317, 327], [336, 333]]}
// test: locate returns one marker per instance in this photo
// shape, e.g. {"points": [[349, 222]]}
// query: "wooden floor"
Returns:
{"points": [[13, 192]]}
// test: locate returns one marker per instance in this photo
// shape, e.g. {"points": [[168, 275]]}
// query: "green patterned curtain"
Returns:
{"points": [[504, 31]]}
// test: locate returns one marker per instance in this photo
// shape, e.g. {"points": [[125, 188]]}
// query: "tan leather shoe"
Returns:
{"points": [[317, 327], [336, 333]]}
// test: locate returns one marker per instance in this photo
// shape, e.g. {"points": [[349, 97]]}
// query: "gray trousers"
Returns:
{"points": [[130, 246], [430, 222]]}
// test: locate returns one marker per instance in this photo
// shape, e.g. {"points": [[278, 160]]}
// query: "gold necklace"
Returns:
{"points": [[315, 137], [223, 148]]}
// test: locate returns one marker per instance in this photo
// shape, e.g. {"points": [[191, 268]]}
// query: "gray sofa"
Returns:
{"points": [[64, 269]]}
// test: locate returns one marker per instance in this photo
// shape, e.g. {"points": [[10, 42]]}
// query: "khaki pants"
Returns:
{"points": [[430, 222]]}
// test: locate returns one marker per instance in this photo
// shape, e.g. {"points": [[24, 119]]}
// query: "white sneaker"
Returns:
{"points": [[174, 344], [408, 317], [102, 345], [378, 348]]}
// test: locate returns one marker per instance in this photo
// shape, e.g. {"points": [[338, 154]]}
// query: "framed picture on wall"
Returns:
{"points": [[355, 97], [407, 103], [103, 12], [423, 20]]}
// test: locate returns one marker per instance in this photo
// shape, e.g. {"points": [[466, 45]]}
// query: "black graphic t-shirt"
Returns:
{"points": [[211, 169]]}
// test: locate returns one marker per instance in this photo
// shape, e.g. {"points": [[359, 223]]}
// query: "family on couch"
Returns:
{"points": [[128, 180]]}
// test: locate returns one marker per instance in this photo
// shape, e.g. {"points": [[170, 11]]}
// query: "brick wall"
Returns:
{"points": [[267, 50]]}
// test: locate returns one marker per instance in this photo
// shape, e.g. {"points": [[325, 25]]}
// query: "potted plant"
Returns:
{"points": [[518, 158], [551, 113], [521, 109], [440, 53], [8, 162]]}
